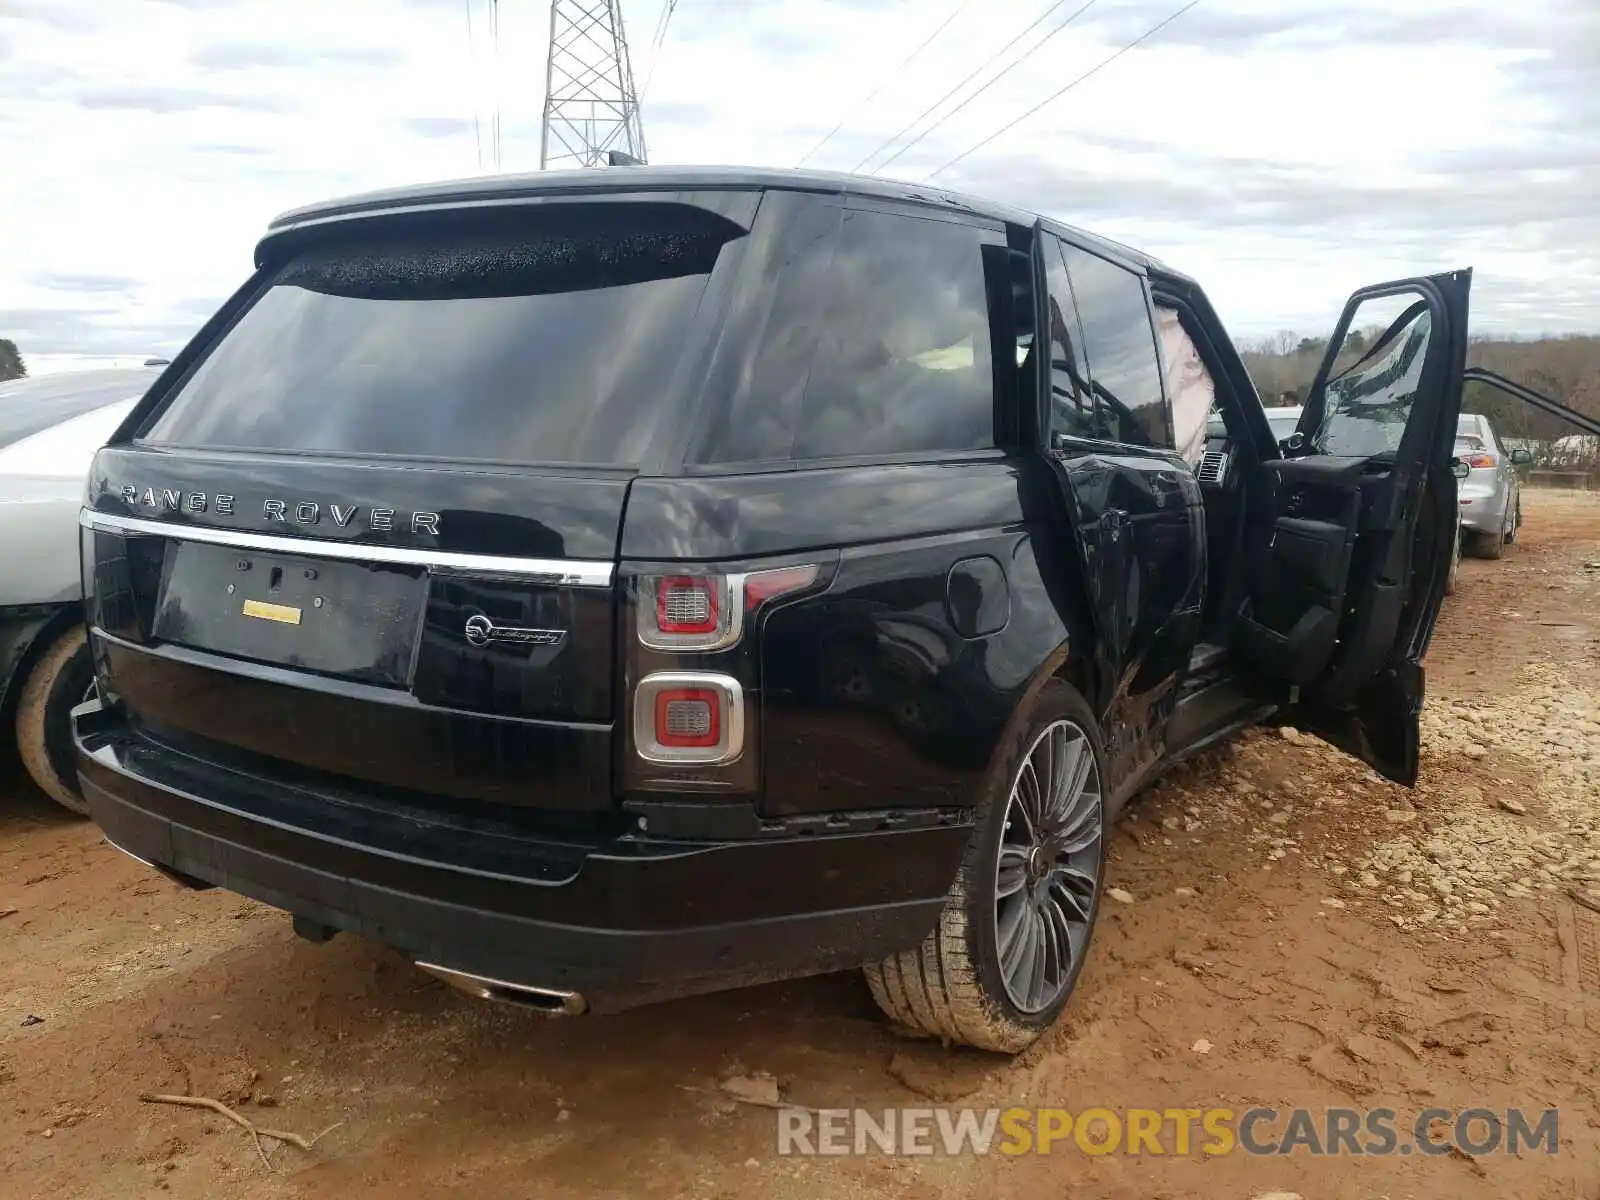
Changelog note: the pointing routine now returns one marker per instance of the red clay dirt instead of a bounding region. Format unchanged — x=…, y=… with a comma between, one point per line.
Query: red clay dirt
x=1339, y=942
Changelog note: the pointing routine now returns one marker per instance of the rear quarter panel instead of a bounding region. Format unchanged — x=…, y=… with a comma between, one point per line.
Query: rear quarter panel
x=953, y=596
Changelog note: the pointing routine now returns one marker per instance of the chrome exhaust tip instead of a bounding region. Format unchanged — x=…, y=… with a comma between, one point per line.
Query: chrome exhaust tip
x=552, y=1002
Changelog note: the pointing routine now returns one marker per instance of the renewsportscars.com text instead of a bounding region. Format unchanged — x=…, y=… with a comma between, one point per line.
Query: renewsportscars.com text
x=1166, y=1131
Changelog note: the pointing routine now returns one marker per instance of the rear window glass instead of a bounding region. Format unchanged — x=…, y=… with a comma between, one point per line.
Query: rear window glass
x=903, y=362
x=555, y=341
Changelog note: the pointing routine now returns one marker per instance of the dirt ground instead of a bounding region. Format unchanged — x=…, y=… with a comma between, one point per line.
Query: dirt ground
x=1299, y=934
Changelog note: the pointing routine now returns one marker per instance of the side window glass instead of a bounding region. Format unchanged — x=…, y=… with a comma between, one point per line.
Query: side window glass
x=1367, y=404
x=1071, y=399
x=753, y=390
x=903, y=363
x=1121, y=346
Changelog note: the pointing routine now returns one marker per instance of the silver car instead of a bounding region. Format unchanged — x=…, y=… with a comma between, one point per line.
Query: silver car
x=1490, y=494
x=50, y=428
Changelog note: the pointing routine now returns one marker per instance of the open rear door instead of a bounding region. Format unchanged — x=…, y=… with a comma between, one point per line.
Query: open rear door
x=1350, y=535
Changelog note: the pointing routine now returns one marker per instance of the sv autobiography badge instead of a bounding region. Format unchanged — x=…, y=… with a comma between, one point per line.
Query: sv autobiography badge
x=480, y=631
x=287, y=512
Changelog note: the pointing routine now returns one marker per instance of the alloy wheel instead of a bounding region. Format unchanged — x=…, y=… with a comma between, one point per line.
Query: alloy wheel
x=1049, y=867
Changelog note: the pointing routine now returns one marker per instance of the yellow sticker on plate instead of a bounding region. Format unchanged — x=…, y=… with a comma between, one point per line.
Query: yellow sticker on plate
x=281, y=613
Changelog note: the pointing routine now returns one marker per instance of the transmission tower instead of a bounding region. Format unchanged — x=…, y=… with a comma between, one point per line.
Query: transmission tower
x=591, y=107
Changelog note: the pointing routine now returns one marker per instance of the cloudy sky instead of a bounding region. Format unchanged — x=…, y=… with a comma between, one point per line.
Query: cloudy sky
x=1283, y=151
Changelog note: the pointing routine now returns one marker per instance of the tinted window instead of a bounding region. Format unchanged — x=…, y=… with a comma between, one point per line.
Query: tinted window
x=1121, y=347
x=553, y=341
x=1071, y=399
x=753, y=389
x=902, y=363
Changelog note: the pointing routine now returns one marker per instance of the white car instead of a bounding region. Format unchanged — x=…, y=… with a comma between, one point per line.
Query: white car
x=50, y=428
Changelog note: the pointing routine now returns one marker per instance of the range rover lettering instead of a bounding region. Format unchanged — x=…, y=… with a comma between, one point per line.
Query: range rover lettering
x=613, y=585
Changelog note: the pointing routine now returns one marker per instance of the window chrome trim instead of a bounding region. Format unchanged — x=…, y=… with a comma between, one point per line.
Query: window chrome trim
x=571, y=572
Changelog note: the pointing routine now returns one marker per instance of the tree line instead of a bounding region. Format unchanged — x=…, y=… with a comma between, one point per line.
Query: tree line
x=11, y=364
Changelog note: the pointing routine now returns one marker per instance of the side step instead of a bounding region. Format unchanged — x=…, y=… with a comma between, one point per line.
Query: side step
x=1211, y=708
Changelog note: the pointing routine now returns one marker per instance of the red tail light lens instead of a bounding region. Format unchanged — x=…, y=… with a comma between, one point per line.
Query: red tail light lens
x=688, y=612
x=707, y=612
x=688, y=718
x=687, y=605
x=1480, y=460
x=761, y=586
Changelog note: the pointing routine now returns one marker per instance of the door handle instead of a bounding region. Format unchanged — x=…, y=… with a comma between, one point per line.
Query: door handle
x=1112, y=523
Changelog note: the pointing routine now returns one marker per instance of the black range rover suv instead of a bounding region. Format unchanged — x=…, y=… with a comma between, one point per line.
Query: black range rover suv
x=608, y=586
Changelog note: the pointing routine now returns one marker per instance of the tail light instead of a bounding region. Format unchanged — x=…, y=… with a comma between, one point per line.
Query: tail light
x=1480, y=460
x=688, y=612
x=707, y=612
x=687, y=606
x=689, y=717
x=697, y=717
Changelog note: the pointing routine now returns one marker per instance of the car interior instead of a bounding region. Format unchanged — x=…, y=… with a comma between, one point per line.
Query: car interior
x=1294, y=514
x=1295, y=536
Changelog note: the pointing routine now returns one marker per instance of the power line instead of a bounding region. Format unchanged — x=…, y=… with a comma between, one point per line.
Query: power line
x=494, y=31
x=656, y=42
x=1056, y=95
x=983, y=66
x=904, y=63
x=1018, y=61
x=477, y=128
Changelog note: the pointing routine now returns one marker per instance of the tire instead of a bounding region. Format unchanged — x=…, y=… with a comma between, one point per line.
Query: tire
x=58, y=683
x=1516, y=523
x=1488, y=545
x=956, y=985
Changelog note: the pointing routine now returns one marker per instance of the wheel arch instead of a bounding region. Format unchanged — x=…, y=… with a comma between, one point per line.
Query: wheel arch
x=25, y=635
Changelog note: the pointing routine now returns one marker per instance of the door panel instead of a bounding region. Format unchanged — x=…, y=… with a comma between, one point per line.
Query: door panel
x=1137, y=513
x=1350, y=536
x=1299, y=545
x=1136, y=516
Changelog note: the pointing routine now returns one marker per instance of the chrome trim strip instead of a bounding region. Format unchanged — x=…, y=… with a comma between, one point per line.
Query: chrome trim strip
x=485, y=987
x=573, y=572
x=144, y=862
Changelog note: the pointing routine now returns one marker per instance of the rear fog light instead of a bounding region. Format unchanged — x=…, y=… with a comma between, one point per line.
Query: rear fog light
x=688, y=718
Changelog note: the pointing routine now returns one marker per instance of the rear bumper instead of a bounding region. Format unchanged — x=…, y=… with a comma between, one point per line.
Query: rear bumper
x=622, y=922
x=1482, y=512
